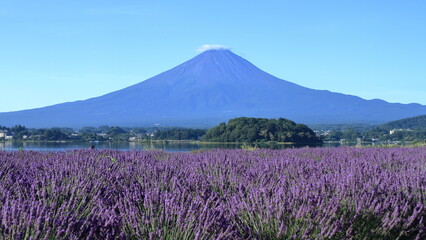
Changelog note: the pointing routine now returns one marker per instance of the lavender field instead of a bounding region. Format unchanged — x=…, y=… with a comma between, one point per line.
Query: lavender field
x=321, y=193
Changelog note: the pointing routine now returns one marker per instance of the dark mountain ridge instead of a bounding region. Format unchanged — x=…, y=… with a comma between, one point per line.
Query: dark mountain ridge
x=213, y=87
x=413, y=123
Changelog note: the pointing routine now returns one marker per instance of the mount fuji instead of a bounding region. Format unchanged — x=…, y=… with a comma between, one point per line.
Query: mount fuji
x=210, y=88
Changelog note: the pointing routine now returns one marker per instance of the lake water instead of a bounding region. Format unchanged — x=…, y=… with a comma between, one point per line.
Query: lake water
x=170, y=146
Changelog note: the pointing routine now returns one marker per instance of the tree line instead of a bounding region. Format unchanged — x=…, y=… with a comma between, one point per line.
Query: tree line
x=236, y=130
x=374, y=134
x=102, y=133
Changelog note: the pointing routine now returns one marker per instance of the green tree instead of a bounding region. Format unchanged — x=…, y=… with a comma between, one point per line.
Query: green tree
x=260, y=129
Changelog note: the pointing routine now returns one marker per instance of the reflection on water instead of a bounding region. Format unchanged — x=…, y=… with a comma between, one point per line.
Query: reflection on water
x=170, y=146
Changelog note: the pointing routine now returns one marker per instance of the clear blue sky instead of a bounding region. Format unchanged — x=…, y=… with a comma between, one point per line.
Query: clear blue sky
x=58, y=51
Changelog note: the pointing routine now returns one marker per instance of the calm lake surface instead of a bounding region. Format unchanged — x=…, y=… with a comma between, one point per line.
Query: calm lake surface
x=170, y=146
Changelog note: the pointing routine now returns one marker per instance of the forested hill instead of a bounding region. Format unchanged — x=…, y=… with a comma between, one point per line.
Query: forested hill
x=414, y=123
x=245, y=129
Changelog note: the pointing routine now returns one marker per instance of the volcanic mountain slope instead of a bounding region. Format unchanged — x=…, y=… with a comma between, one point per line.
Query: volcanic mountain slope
x=212, y=87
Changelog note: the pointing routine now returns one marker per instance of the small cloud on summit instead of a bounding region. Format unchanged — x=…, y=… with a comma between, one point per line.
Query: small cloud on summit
x=207, y=47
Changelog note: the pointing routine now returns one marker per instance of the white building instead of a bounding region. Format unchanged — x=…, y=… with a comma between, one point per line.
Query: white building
x=3, y=134
x=399, y=130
